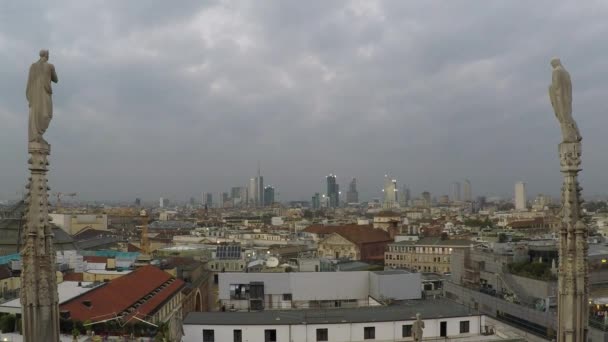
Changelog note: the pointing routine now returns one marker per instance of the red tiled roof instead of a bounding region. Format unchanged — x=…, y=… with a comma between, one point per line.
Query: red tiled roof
x=132, y=248
x=73, y=277
x=357, y=234
x=121, y=293
x=95, y=259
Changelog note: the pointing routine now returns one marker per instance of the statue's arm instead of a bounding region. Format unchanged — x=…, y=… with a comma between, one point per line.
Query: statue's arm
x=53, y=74
x=29, y=84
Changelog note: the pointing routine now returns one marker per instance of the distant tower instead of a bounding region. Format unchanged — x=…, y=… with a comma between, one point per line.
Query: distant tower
x=316, y=201
x=426, y=196
x=260, y=187
x=268, y=196
x=208, y=199
x=467, y=195
x=389, y=192
x=333, y=191
x=252, y=191
x=456, y=192
x=520, y=196
x=161, y=202
x=352, y=195
x=403, y=196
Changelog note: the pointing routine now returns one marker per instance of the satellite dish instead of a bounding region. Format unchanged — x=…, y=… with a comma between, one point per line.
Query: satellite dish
x=272, y=262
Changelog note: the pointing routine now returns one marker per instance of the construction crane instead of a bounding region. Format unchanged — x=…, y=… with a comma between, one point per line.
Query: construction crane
x=60, y=195
x=145, y=243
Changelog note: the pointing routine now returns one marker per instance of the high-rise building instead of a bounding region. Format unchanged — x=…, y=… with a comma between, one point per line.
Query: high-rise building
x=389, y=192
x=456, y=192
x=403, y=196
x=520, y=196
x=208, y=199
x=138, y=202
x=333, y=192
x=467, y=195
x=352, y=195
x=426, y=197
x=252, y=192
x=161, y=202
x=316, y=201
x=238, y=195
x=268, y=195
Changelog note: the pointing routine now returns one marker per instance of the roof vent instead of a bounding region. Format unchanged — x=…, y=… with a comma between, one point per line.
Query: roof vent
x=87, y=303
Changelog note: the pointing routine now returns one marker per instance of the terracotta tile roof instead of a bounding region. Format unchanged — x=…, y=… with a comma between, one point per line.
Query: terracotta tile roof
x=73, y=277
x=388, y=213
x=357, y=234
x=132, y=248
x=95, y=259
x=121, y=293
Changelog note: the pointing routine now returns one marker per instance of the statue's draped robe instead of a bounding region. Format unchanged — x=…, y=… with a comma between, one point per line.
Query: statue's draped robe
x=560, y=93
x=417, y=330
x=39, y=95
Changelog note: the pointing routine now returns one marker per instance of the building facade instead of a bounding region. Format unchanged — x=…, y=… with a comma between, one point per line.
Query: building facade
x=431, y=254
x=442, y=319
x=520, y=196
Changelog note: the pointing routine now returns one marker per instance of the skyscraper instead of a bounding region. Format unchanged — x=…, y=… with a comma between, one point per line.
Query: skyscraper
x=390, y=192
x=238, y=195
x=252, y=193
x=268, y=195
x=426, y=196
x=403, y=196
x=467, y=195
x=161, y=202
x=456, y=192
x=316, y=201
x=520, y=196
x=352, y=195
x=332, y=191
x=208, y=199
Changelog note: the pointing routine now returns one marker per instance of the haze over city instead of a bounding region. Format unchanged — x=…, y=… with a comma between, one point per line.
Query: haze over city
x=159, y=100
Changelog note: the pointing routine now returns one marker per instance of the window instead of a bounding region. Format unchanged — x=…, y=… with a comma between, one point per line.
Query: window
x=270, y=335
x=322, y=335
x=464, y=327
x=237, y=335
x=406, y=330
x=369, y=333
x=286, y=296
x=208, y=335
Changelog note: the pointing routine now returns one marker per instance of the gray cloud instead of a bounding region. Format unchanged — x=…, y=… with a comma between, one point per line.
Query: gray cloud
x=156, y=99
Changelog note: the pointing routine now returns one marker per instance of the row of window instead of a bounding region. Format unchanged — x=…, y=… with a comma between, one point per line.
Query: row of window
x=428, y=250
x=416, y=258
x=369, y=333
x=418, y=267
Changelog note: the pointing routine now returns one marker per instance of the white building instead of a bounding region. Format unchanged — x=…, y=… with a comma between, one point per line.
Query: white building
x=467, y=194
x=442, y=319
x=300, y=290
x=390, y=192
x=520, y=196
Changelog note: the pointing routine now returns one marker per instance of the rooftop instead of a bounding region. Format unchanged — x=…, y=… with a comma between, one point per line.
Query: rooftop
x=145, y=288
x=429, y=308
x=67, y=290
x=434, y=241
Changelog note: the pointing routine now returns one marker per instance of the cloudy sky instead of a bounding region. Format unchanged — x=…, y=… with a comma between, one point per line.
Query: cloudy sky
x=162, y=98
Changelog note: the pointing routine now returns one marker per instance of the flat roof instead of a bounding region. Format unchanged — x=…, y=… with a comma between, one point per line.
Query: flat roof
x=66, y=290
x=406, y=310
x=391, y=272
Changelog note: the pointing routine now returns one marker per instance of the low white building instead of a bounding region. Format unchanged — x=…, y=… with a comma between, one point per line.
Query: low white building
x=301, y=290
x=442, y=319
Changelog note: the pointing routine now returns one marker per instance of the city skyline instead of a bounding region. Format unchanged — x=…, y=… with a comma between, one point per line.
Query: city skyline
x=186, y=104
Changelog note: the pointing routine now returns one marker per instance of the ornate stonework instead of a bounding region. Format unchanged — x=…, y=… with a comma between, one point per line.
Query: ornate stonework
x=39, y=297
x=573, y=292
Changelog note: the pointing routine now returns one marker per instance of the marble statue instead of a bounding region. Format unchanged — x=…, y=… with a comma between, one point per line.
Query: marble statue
x=417, y=328
x=560, y=93
x=39, y=96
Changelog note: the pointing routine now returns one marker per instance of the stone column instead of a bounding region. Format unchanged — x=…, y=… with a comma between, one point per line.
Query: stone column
x=39, y=298
x=573, y=293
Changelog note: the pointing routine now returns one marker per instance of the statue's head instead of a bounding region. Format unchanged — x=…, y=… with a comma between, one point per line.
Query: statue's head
x=418, y=316
x=555, y=62
x=44, y=54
